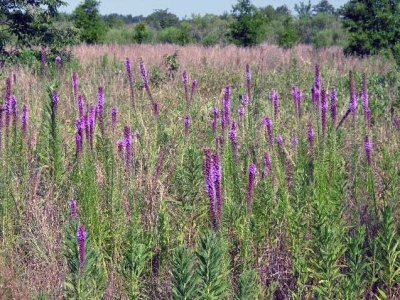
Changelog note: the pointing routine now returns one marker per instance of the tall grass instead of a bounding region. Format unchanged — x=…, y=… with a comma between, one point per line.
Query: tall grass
x=262, y=198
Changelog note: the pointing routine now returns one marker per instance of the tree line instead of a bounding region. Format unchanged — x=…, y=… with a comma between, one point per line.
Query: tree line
x=362, y=27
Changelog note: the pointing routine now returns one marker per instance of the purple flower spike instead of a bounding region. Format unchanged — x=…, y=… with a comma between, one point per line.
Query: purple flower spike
x=217, y=176
x=14, y=110
x=91, y=124
x=324, y=109
x=297, y=98
x=353, y=98
x=396, y=122
x=250, y=187
x=209, y=186
x=275, y=102
x=114, y=112
x=186, y=122
x=74, y=83
x=78, y=144
x=8, y=89
x=214, y=120
x=81, y=238
x=310, y=134
x=245, y=100
x=58, y=61
x=128, y=146
x=145, y=80
x=241, y=111
x=268, y=125
x=100, y=108
x=279, y=140
x=73, y=209
x=55, y=100
x=120, y=146
x=155, y=109
x=367, y=111
x=24, y=121
x=193, y=90
x=1, y=126
x=185, y=80
x=227, y=108
x=267, y=163
x=333, y=105
x=81, y=104
x=129, y=73
x=232, y=137
x=248, y=80
x=368, y=150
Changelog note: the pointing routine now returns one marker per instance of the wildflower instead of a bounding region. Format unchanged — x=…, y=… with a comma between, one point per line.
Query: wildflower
x=310, y=134
x=275, y=101
x=128, y=145
x=333, y=105
x=155, y=109
x=209, y=185
x=81, y=238
x=227, y=107
x=248, y=80
x=268, y=125
x=241, y=111
x=74, y=83
x=185, y=80
x=214, y=120
x=55, y=100
x=24, y=120
x=279, y=140
x=194, y=87
x=250, y=186
x=232, y=137
x=114, y=112
x=324, y=109
x=80, y=105
x=368, y=150
x=129, y=73
x=58, y=60
x=367, y=111
x=267, y=163
x=216, y=170
x=245, y=100
x=100, y=107
x=73, y=209
x=120, y=146
x=186, y=121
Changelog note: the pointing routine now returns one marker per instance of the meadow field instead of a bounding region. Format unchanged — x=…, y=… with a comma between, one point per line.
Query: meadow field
x=215, y=173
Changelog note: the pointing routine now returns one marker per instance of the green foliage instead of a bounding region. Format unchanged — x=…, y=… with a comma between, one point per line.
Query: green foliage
x=249, y=285
x=245, y=30
x=212, y=267
x=184, y=276
x=288, y=37
x=175, y=35
x=28, y=24
x=87, y=282
x=88, y=20
x=141, y=33
x=162, y=19
x=372, y=25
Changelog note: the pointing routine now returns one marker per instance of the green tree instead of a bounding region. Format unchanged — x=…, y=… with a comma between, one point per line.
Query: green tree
x=303, y=9
x=373, y=25
x=141, y=33
x=161, y=19
x=25, y=24
x=246, y=29
x=87, y=18
x=288, y=37
x=324, y=7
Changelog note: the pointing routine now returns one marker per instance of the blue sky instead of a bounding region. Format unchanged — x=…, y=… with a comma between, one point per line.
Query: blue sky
x=181, y=8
